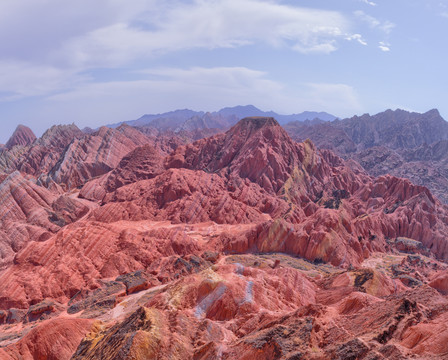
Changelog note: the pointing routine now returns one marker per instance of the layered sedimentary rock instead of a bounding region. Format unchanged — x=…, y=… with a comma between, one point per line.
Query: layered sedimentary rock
x=95, y=155
x=53, y=340
x=31, y=213
x=242, y=245
x=398, y=143
x=22, y=136
x=41, y=155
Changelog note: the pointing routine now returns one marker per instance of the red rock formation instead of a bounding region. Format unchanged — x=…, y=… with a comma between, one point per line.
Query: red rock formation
x=79, y=255
x=183, y=255
x=256, y=148
x=188, y=196
x=32, y=213
x=95, y=155
x=397, y=142
x=144, y=162
x=22, y=136
x=314, y=192
x=52, y=340
x=40, y=156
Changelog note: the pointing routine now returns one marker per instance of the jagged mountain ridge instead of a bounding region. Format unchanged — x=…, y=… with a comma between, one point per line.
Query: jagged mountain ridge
x=399, y=143
x=223, y=119
x=23, y=135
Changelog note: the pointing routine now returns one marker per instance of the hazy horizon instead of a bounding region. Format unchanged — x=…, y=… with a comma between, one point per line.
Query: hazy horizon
x=105, y=62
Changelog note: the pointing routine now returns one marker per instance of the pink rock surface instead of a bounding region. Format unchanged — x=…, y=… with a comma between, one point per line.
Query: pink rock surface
x=95, y=155
x=185, y=255
x=53, y=340
x=22, y=136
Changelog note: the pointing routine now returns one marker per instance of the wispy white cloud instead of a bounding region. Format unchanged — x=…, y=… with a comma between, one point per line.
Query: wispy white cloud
x=163, y=89
x=371, y=3
x=34, y=30
x=358, y=38
x=209, y=24
x=384, y=46
x=385, y=26
x=342, y=99
x=50, y=55
x=21, y=79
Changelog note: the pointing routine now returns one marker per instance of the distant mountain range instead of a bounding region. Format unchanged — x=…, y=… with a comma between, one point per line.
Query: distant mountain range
x=192, y=120
x=400, y=143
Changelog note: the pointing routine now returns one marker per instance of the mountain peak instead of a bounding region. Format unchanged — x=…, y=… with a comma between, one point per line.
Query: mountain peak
x=258, y=122
x=23, y=136
x=433, y=112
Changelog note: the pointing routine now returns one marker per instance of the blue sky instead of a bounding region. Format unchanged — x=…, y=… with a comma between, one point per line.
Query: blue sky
x=103, y=61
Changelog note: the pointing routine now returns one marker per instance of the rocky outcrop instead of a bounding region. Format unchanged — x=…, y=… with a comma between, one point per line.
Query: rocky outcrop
x=186, y=196
x=40, y=156
x=22, y=136
x=53, y=340
x=145, y=162
x=137, y=338
x=95, y=154
x=398, y=143
x=256, y=148
x=32, y=213
x=228, y=179
x=54, y=270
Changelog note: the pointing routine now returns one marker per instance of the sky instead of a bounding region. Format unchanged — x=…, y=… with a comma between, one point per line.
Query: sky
x=100, y=62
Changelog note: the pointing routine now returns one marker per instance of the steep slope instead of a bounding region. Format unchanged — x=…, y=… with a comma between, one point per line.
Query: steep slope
x=22, y=136
x=95, y=155
x=40, y=156
x=144, y=162
x=255, y=172
x=397, y=129
x=256, y=148
x=54, y=340
x=399, y=143
x=32, y=213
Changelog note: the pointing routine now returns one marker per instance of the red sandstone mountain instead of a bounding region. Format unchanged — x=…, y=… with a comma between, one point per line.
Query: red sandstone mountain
x=22, y=136
x=239, y=246
x=32, y=213
x=40, y=156
x=398, y=143
x=95, y=155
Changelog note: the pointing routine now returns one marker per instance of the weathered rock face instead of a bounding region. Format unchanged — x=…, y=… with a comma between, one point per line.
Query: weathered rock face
x=145, y=162
x=324, y=134
x=129, y=247
x=226, y=312
x=256, y=148
x=398, y=143
x=53, y=340
x=95, y=155
x=22, y=136
x=187, y=196
x=229, y=181
x=40, y=156
x=32, y=213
